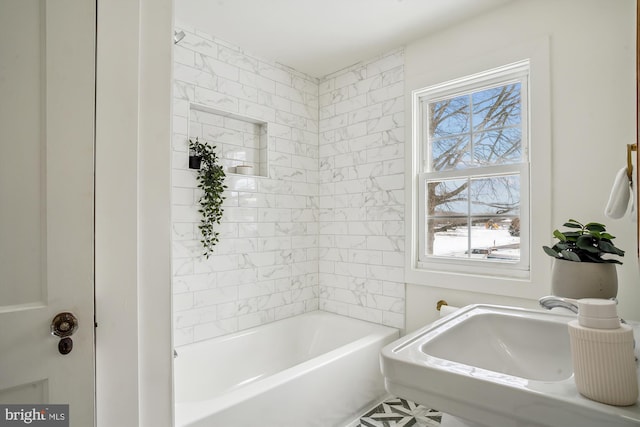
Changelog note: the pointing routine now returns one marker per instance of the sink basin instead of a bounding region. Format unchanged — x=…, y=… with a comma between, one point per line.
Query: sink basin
x=498, y=366
x=532, y=347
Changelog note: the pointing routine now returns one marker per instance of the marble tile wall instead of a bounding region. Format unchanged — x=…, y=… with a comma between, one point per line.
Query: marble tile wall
x=325, y=228
x=265, y=266
x=361, y=220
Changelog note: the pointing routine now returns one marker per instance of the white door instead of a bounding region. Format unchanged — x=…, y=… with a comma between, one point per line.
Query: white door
x=47, y=80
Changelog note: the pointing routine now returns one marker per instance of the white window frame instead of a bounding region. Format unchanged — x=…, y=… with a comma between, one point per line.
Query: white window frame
x=509, y=74
x=537, y=51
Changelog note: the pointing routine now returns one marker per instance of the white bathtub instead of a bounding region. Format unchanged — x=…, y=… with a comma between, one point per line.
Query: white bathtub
x=316, y=369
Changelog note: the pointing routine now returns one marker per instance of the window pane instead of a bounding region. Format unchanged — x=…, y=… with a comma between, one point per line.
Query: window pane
x=499, y=195
x=498, y=147
x=496, y=135
x=447, y=198
x=451, y=153
x=497, y=107
x=495, y=239
x=489, y=239
x=449, y=117
x=447, y=237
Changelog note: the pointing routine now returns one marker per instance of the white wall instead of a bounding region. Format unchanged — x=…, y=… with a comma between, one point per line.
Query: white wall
x=116, y=211
x=592, y=60
x=132, y=246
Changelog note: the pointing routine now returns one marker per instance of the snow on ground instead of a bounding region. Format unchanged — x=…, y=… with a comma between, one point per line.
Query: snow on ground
x=455, y=243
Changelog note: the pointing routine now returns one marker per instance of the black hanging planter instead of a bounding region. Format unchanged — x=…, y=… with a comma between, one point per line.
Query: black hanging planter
x=210, y=179
x=194, y=162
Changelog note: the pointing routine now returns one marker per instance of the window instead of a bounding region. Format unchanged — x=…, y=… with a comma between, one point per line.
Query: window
x=471, y=136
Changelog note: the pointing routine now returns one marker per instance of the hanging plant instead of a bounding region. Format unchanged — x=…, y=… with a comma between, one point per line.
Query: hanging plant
x=211, y=181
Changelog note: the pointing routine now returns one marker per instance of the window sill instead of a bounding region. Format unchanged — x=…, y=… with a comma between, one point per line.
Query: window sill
x=493, y=284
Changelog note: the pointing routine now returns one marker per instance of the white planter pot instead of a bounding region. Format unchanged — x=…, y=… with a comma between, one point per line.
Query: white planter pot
x=577, y=280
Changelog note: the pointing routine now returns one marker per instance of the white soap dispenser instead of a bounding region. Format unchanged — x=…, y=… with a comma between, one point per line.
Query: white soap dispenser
x=602, y=351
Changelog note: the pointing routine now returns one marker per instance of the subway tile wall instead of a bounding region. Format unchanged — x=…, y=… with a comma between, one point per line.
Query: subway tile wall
x=265, y=266
x=362, y=235
x=325, y=228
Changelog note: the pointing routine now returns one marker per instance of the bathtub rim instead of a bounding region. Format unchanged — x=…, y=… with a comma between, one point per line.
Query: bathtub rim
x=274, y=324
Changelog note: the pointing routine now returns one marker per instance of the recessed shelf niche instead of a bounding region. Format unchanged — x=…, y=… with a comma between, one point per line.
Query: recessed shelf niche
x=239, y=140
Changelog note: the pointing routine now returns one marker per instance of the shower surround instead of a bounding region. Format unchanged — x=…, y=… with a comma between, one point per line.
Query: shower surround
x=325, y=228
x=361, y=189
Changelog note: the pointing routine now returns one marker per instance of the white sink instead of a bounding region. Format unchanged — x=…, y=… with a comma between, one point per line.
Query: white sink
x=498, y=366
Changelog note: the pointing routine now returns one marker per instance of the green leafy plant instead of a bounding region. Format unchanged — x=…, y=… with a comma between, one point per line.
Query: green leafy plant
x=584, y=243
x=211, y=181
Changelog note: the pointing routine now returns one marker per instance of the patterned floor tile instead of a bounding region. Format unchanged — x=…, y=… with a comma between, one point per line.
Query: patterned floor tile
x=396, y=412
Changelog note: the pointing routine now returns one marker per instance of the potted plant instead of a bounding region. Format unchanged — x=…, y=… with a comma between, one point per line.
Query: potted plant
x=579, y=269
x=211, y=178
x=195, y=154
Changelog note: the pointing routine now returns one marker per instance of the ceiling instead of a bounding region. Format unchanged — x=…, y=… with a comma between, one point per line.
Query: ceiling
x=319, y=37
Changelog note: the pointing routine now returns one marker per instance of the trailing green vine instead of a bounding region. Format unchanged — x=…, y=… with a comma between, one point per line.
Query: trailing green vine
x=211, y=181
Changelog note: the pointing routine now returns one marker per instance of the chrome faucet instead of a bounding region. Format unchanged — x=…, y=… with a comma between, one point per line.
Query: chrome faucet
x=552, y=301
